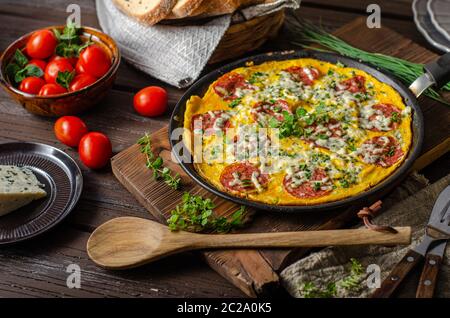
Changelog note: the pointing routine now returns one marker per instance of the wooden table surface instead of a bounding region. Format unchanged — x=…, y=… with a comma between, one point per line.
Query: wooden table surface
x=38, y=268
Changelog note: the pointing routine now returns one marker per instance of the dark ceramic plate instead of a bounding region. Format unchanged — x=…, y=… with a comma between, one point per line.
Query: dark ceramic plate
x=439, y=11
x=63, y=183
x=427, y=28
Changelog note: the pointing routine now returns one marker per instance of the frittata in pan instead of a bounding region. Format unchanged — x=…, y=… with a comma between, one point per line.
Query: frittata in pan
x=297, y=132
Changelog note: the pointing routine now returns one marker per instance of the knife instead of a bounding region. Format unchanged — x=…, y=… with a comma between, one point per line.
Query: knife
x=437, y=231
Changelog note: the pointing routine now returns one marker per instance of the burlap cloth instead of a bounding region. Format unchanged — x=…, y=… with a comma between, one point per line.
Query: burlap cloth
x=409, y=205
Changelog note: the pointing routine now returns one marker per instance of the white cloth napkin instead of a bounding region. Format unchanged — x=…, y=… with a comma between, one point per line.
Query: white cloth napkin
x=173, y=54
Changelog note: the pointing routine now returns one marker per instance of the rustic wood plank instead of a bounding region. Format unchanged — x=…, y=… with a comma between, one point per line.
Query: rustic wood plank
x=38, y=269
x=104, y=198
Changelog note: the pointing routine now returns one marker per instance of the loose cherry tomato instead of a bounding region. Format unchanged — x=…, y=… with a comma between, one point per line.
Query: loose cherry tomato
x=95, y=150
x=39, y=63
x=72, y=60
x=41, y=44
x=151, y=101
x=81, y=81
x=69, y=130
x=56, y=66
x=94, y=61
x=52, y=89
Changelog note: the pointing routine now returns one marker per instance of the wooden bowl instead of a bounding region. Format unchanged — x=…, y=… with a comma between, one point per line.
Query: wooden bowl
x=247, y=36
x=70, y=103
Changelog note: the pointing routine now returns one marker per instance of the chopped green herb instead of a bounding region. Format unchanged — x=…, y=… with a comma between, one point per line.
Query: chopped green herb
x=255, y=77
x=301, y=112
x=391, y=151
x=235, y=102
x=395, y=117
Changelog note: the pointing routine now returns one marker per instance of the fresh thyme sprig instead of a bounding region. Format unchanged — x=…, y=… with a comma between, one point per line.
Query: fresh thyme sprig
x=406, y=71
x=195, y=214
x=156, y=164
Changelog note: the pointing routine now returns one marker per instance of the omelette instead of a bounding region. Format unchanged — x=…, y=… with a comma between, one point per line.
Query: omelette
x=297, y=132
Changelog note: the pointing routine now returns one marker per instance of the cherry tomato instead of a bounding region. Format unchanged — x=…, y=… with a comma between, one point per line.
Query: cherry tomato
x=72, y=60
x=81, y=81
x=151, y=101
x=31, y=85
x=79, y=68
x=56, y=66
x=95, y=150
x=69, y=130
x=52, y=89
x=41, y=44
x=39, y=63
x=94, y=61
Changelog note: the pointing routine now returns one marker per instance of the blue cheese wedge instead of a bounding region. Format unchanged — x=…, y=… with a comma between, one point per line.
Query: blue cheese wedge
x=18, y=187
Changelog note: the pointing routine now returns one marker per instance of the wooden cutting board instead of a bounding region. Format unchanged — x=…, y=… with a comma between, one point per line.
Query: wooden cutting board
x=255, y=271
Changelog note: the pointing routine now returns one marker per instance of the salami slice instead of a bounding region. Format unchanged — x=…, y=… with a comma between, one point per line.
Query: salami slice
x=243, y=178
x=306, y=75
x=211, y=122
x=305, y=185
x=262, y=112
x=353, y=85
x=383, y=117
x=383, y=151
x=227, y=85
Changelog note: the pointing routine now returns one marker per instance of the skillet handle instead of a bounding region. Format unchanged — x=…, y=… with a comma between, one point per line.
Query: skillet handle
x=439, y=70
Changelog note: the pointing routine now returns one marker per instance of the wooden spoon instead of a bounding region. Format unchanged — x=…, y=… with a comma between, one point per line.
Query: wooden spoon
x=128, y=242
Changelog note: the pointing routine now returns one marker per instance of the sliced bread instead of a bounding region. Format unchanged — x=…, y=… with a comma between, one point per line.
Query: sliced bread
x=184, y=8
x=146, y=11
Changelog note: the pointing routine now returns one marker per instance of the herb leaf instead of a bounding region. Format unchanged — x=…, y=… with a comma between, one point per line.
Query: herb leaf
x=156, y=164
x=65, y=78
x=70, y=44
x=29, y=70
x=20, y=58
x=18, y=69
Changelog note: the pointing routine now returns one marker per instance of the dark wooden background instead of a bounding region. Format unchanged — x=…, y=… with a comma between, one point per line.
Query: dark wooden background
x=38, y=268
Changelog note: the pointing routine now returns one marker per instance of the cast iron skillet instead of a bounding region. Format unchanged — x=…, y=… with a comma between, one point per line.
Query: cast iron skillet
x=362, y=199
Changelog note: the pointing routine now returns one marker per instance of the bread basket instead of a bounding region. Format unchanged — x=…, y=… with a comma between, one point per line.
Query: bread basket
x=246, y=36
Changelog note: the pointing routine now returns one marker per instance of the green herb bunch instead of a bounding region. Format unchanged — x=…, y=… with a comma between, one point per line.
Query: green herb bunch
x=156, y=164
x=406, y=71
x=195, y=214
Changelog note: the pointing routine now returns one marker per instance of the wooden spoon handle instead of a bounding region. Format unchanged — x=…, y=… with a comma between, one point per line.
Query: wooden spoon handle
x=305, y=239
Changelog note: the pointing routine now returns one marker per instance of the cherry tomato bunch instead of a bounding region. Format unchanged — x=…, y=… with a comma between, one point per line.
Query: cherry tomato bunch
x=94, y=148
x=53, y=63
